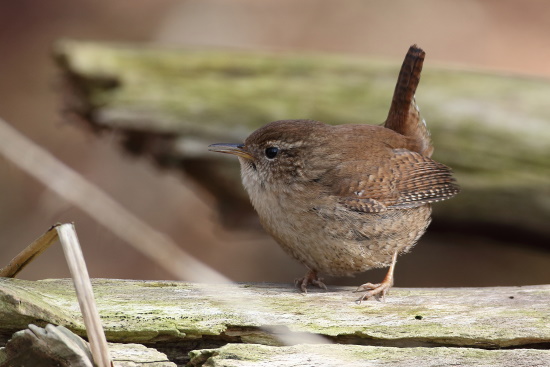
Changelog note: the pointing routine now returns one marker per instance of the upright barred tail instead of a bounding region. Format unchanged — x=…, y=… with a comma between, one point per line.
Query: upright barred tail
x=404, y=115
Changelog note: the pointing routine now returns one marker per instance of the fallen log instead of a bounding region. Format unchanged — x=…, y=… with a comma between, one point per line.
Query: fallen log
x=465, y=324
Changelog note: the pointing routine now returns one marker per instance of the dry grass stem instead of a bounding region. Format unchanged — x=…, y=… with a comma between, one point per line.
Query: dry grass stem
x=30, y=252
x=75, y=189
x=85, y=294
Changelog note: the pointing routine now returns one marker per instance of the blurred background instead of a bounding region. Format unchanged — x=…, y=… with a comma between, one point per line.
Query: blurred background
x=504, y=36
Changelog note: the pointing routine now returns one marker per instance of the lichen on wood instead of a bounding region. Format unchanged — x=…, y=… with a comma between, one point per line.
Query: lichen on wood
x=165, y=314
x=147, y=311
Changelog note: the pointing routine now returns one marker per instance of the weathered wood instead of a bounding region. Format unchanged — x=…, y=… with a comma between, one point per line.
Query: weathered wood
x=148, y=311
x=57, y=346
x=170, y=104
x=44, y=347
x=198, y=316
x=238, y=355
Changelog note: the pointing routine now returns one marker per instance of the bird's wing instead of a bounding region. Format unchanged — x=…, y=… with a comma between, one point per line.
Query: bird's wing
x=405, y=180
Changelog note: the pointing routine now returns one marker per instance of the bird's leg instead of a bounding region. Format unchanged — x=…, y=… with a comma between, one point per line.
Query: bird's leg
x=312, y=278
x=379, y=290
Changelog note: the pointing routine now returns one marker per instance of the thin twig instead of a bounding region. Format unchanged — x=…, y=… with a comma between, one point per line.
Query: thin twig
x=30, y=252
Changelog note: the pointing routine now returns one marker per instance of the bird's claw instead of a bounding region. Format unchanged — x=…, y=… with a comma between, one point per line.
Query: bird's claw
x=378, y=291
x=310, y=278
x=381, y=289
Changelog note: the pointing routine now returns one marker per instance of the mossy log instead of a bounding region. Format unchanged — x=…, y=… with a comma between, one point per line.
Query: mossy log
x=493, y=130
x=251, y=322
x=235, y=355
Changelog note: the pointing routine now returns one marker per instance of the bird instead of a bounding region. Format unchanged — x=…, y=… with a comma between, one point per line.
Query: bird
x=342, y=199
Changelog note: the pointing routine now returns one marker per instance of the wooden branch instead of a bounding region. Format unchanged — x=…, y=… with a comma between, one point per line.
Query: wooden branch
x=171, y=104
x=197, y=316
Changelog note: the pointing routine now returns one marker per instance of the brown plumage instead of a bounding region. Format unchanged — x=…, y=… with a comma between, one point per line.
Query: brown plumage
x=344, y=199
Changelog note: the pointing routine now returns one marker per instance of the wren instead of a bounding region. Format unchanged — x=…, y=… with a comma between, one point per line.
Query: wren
x=344, y=199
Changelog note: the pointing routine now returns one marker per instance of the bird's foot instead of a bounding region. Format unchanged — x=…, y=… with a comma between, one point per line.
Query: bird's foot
x=381, y=289
x=377, y=290
x=312, y=278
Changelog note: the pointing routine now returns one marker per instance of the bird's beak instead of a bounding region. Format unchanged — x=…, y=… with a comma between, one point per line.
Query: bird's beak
x=235, y=149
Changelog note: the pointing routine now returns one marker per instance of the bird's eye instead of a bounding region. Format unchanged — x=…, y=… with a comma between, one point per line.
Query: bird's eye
x=271, y=152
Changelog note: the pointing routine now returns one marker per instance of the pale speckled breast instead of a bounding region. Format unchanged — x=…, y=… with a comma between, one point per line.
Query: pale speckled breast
x=328, y=237
x=341, y=242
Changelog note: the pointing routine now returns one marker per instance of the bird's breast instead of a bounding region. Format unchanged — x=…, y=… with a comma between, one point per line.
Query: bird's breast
x=315, y=229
